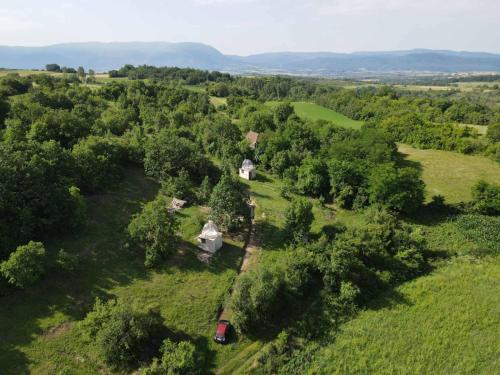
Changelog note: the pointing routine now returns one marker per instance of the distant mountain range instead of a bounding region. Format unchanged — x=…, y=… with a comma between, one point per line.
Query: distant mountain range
x=107, y=56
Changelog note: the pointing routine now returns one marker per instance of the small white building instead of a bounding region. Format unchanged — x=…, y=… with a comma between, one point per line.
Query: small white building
x=210, y=239
x=247, y=170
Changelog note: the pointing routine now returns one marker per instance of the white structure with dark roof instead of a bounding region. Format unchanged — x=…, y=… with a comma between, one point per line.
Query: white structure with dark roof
x=247, y=170
x=210, y=239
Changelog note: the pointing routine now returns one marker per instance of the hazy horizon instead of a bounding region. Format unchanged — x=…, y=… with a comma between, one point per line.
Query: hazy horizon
x=244, y=27
x=244, y=55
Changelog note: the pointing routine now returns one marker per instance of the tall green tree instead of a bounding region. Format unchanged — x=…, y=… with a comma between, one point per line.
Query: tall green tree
x=401, y=189
x=155, y=229
x=228, y=202
x=298, y=219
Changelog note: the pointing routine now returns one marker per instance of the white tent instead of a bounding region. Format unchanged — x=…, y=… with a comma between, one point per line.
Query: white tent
x=210, y=238
x=247, y=170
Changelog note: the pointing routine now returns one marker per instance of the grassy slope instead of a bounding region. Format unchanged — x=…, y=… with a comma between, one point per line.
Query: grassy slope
x=314, y=112
x=37, y=326
x=451, y=174
x=444, y=323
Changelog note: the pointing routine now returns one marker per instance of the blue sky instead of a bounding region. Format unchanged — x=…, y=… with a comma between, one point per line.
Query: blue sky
x=251, y=26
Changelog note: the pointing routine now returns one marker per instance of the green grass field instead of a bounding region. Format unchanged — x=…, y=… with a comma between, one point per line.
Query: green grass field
x=444, y=323
x=451, y=174
x=315, y=112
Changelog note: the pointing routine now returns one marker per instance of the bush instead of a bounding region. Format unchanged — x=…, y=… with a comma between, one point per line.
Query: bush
x=401, y=190
x=67, y=261
x=176, y=359
x=256, y=299
x=298, y=219
x=98, y=162
x=25, y=265
x=124, y=334
x=156, y=230
x=486, y=198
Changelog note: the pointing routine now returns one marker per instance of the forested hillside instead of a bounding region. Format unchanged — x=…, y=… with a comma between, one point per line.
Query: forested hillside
x=99, y=274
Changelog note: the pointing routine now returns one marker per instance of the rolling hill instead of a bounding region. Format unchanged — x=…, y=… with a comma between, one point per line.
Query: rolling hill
x=106, y=56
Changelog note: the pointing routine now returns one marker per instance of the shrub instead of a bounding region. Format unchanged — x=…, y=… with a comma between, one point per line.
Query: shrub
x=401, y=190
x=124, y=334
x=256, y=299
x=176, y=359
x=67, y=261
x=25, y=265
x=486, y=198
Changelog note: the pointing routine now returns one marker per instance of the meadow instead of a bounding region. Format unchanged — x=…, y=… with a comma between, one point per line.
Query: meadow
x=315, y=112
x=451, y=174
x=443, y=323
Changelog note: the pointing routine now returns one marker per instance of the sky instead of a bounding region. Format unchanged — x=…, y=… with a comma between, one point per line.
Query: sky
x=245, y=27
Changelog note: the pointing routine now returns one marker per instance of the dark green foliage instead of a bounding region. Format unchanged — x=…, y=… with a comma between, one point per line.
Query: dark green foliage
x=67, y=261
x=155, y=229
x=494, y=132
x=282, y=112
x=381, y=251
x=204, y=192
x=116, y=120
x=123, y=333
x=313, y=178
x=256, y=300
x=4, y=109
x=168, y=154
x=228, y=203
x=401, y=190
x=179, y=187
x=98, y=162
x=176, y=359
x=486, y=198
x=62, y=126
x=35, y=196
x=346, y=181
x=258, y=121
x=14, y=84
x=25, y=265
x=52, y=68
x=298, y=219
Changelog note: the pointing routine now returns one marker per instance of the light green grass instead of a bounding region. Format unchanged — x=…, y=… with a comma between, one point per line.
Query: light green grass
x=218, y=101
x=315, y=112
x=451, y=174
x=444, y=323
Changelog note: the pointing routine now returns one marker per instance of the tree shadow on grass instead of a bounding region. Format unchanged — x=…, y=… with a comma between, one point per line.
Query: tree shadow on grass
x=262, y=178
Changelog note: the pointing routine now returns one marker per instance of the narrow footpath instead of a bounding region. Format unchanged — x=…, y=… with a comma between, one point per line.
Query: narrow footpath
x=251, y=250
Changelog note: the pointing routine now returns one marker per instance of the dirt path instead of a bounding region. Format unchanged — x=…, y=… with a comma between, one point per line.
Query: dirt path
x=251, y=249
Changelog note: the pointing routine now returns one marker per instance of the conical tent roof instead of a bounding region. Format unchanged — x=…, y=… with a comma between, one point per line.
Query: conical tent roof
x=247, y=164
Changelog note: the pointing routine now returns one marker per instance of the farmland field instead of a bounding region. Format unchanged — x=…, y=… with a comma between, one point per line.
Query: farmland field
x=451, y=174
x=315, y=112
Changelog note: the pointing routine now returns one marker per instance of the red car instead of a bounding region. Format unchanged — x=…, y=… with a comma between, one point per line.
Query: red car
x=222, y=332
